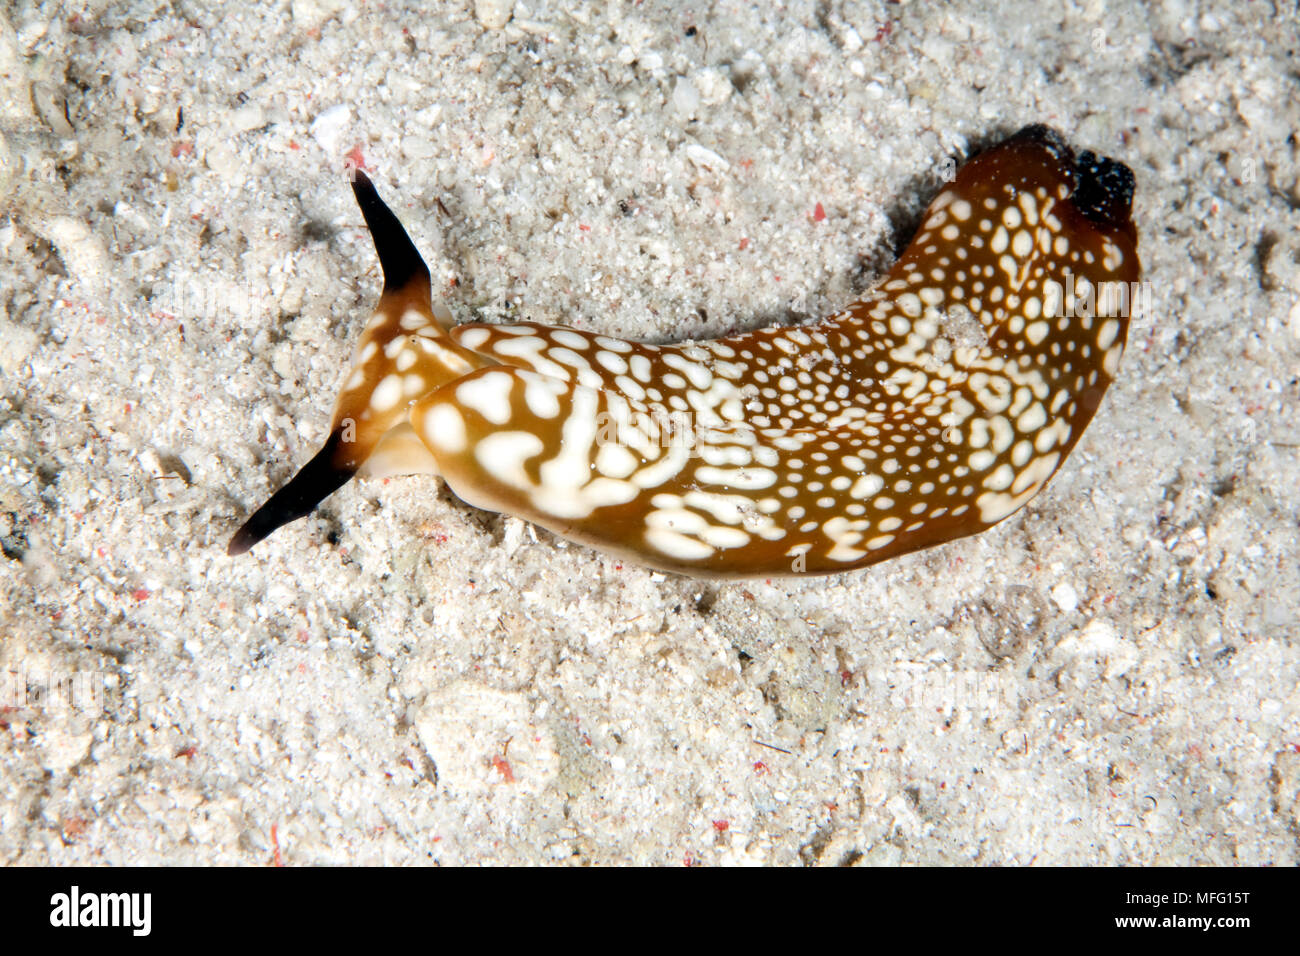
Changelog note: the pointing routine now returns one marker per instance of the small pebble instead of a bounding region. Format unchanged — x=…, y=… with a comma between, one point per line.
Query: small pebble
x=493, y=14
x=328, y=128
x=1066, y=597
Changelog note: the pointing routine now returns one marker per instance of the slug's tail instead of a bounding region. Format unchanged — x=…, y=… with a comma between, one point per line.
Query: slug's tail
x=404, y=353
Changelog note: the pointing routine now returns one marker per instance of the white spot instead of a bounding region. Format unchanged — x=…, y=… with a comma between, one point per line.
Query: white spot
x=542, y=395
x=677, y=545
x=1030, y=208
x=615, y=461
x=866, y=486
x=529, y=349
x=605, y=492
x=386, y=394
x=846, y=534
x=1107, y=333
x=502, y=455
x=640, y=366
x=1000, y=241
x=489, y=395
x=659, y=473
x=1110, y=361
x=1003, y=435
x=1023, y=451
x=1034, y=418
x=614, y=345
x=1056, y=433
x=612, y=362
x=996, y=505
x=569, y=338
x=444, y=428
x=910, y=304
x=699, y=375
x=412, y=320
x=1113, y=257
x=1001, y=478
x=724, y=537
x=572, y=466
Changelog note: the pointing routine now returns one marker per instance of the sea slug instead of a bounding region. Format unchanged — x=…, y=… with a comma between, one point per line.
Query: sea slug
x=935, y=406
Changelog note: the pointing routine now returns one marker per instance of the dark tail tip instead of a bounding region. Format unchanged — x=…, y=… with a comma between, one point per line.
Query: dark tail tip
x=1041, y=134
x=1103, y=187
x=317, y=480
x=1104, y=190
x=398, y=256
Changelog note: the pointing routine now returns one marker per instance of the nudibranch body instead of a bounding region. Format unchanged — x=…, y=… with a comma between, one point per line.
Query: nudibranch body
x=932, y=408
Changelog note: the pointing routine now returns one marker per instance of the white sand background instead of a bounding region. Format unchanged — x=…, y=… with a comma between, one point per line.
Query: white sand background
x=1108, y=677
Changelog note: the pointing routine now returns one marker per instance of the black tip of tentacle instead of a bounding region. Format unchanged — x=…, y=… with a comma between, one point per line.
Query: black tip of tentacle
x=317, y=480
x=398, y=256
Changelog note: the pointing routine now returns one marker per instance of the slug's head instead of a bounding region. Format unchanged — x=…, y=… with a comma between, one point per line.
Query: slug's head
x=1037, y=241
x=1090, y=196
x=1100, y=188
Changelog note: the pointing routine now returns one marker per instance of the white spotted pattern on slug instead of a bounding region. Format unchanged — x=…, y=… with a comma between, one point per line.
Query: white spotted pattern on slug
x=932, y=408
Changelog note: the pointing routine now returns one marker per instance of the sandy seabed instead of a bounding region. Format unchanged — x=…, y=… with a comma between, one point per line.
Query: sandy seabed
x=1108, y=677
